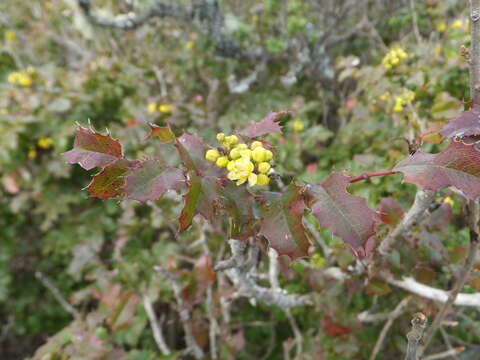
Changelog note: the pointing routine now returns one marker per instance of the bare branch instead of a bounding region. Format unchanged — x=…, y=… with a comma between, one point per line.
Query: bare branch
x=183, y=311
x=446, y=354
x=155, y=325
x=57, y=294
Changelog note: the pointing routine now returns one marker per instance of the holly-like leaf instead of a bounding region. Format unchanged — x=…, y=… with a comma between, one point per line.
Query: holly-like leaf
x=192, y=153
x=238, y=203
x=466, y=124
x=458, y=165
x=391, y=212
x=282, y=223
x=149, y=180
x=108, y=183
x=163, y=133
x=345, y=215
x=269, y=125
x=91, y=149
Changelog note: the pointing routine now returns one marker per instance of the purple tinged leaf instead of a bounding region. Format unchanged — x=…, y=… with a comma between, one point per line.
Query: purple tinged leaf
x=108, y=183
x=390, y=212
x=268, y=125
x=91, y=149
x=163, y=133
x=149, y=181
x=458, y=165
x=192, y=153
x=345, y=215
x=282, y=223
x=466, y=124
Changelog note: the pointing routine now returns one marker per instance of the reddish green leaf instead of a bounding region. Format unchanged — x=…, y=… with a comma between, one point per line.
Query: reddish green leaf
x=458, y=165
x=466, y=124
x=378, y=287
x=345, y=215
x=108, y=183
x=203, y=198
x=269, y=125
x=333, y=328
x=391, y=212
x=149, y=181
x=282, y=223
x=91, y=149
x=238, y=203
x=192, y=153
x=163, y=133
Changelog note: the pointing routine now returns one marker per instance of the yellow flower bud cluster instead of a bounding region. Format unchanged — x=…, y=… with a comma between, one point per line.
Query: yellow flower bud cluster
x=45, y=143
x=22, y=78
x=393, y=58
x=400, y=101
x=457, y=24
x=161, y=108
x=244, y=163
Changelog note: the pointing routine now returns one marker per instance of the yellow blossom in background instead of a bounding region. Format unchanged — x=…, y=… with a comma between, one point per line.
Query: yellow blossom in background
x=394, y=57
x=45, y=143
x=19, y=78
x=298, y=126
x=10, y=36
x=385, y=96
x=189, y=45
x=457, y=24
x=317, y=261
x=405, y=98
x=4, y=111
x=165, y=108
x=30, y=70
x=32, y=154
x=152, y=107
x=441, y=27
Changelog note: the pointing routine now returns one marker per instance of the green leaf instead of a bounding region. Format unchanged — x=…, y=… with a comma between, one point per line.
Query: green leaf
x=108, y=183
x=163, y=133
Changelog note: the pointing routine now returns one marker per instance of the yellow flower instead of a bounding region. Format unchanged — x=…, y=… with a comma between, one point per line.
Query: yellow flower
x=298, y=126
x=448, y=200
x=259, y=154
x=231, y=165
x=231, y=140
x=317, y=261
x=398, y=108
x=457, y=24
x=212, y=155
x=24, y=80
x=45, y=142
x=4, y=111
x=268, y=155
x=255, y=144
x=10, y=36
x=165, y=108
x=242, y=147
x=222, y=161
x=262, y=180
x=241, y=171
x=152, y=107
x=220, y=137
x=441, y=27
x=189, y=45
x=385, y=96
x=235, y=153
x=13, y=77
x=32, y=154
x=247, y=153
x=264, y=167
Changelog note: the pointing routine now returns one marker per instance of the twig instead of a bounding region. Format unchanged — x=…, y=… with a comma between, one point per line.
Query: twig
x=445, y=354
x=238, y=269
x=423, y=199
x=155, y=325
x=413, y=12
x=462, y=277
x=183, y=311
x=57, y=294
x=368, y=175
x=391, y=318
x=475, y=51
x=419, y=323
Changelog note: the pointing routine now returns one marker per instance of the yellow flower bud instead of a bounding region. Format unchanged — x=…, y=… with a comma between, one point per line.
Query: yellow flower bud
x=230, y=165
x=44, y=142
x=256, y=144
x=262, y=180
x=24, y=80
x=233, y=140
x=264, y=167
x=212, y=155
x=395, y=60
x=165, y=108
x=448, y=200
x=242, y=147
x=30, y=70
x=32, y=154
x=298, y=126
x=152, y=107
x=398, y=108
x=13, y=78
x=258, y=154
x=247, y=153
x=222, y=161
x=220, y=137
x=235, y=153
x=268, y=155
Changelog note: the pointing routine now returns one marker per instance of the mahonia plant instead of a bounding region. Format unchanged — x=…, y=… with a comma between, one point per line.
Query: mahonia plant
x=232, y=182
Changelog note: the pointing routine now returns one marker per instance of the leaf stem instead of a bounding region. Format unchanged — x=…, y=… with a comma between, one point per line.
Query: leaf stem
x=368, y=175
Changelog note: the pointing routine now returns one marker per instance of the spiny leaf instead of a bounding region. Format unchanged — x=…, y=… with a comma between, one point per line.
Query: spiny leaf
x=108, y=183
x=345, y=215
x=269, y=125
x=149, y=180
x=458, y=165
x=192, y=153
x=163, y=133
x=238, y=203
x=202, y=197
x=466, y=124
x=282, y=223
x=91, y=149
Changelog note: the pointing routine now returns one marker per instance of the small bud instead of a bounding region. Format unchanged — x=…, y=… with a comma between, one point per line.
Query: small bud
x=264, y=167
x=165, y=108
x=298, y=126
x=268, y=155
x=246, y=153
x=222, y=161
x=152, y=107
x=233, y=140
x=259, y=154
x=230, y=165
x=235, y=153
x=220, y=137
x=256, y=144
x=242, y=146
x=212, y=155
x=252, y=179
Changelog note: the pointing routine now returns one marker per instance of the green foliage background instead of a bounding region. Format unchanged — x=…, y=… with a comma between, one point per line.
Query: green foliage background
x=98, y=251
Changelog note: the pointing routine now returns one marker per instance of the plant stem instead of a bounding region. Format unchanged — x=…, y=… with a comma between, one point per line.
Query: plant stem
x=368, y=175
x=475, y=51
x=419, y=322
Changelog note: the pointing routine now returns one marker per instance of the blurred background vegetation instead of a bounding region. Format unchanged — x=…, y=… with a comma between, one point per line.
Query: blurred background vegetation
x=358, y=75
